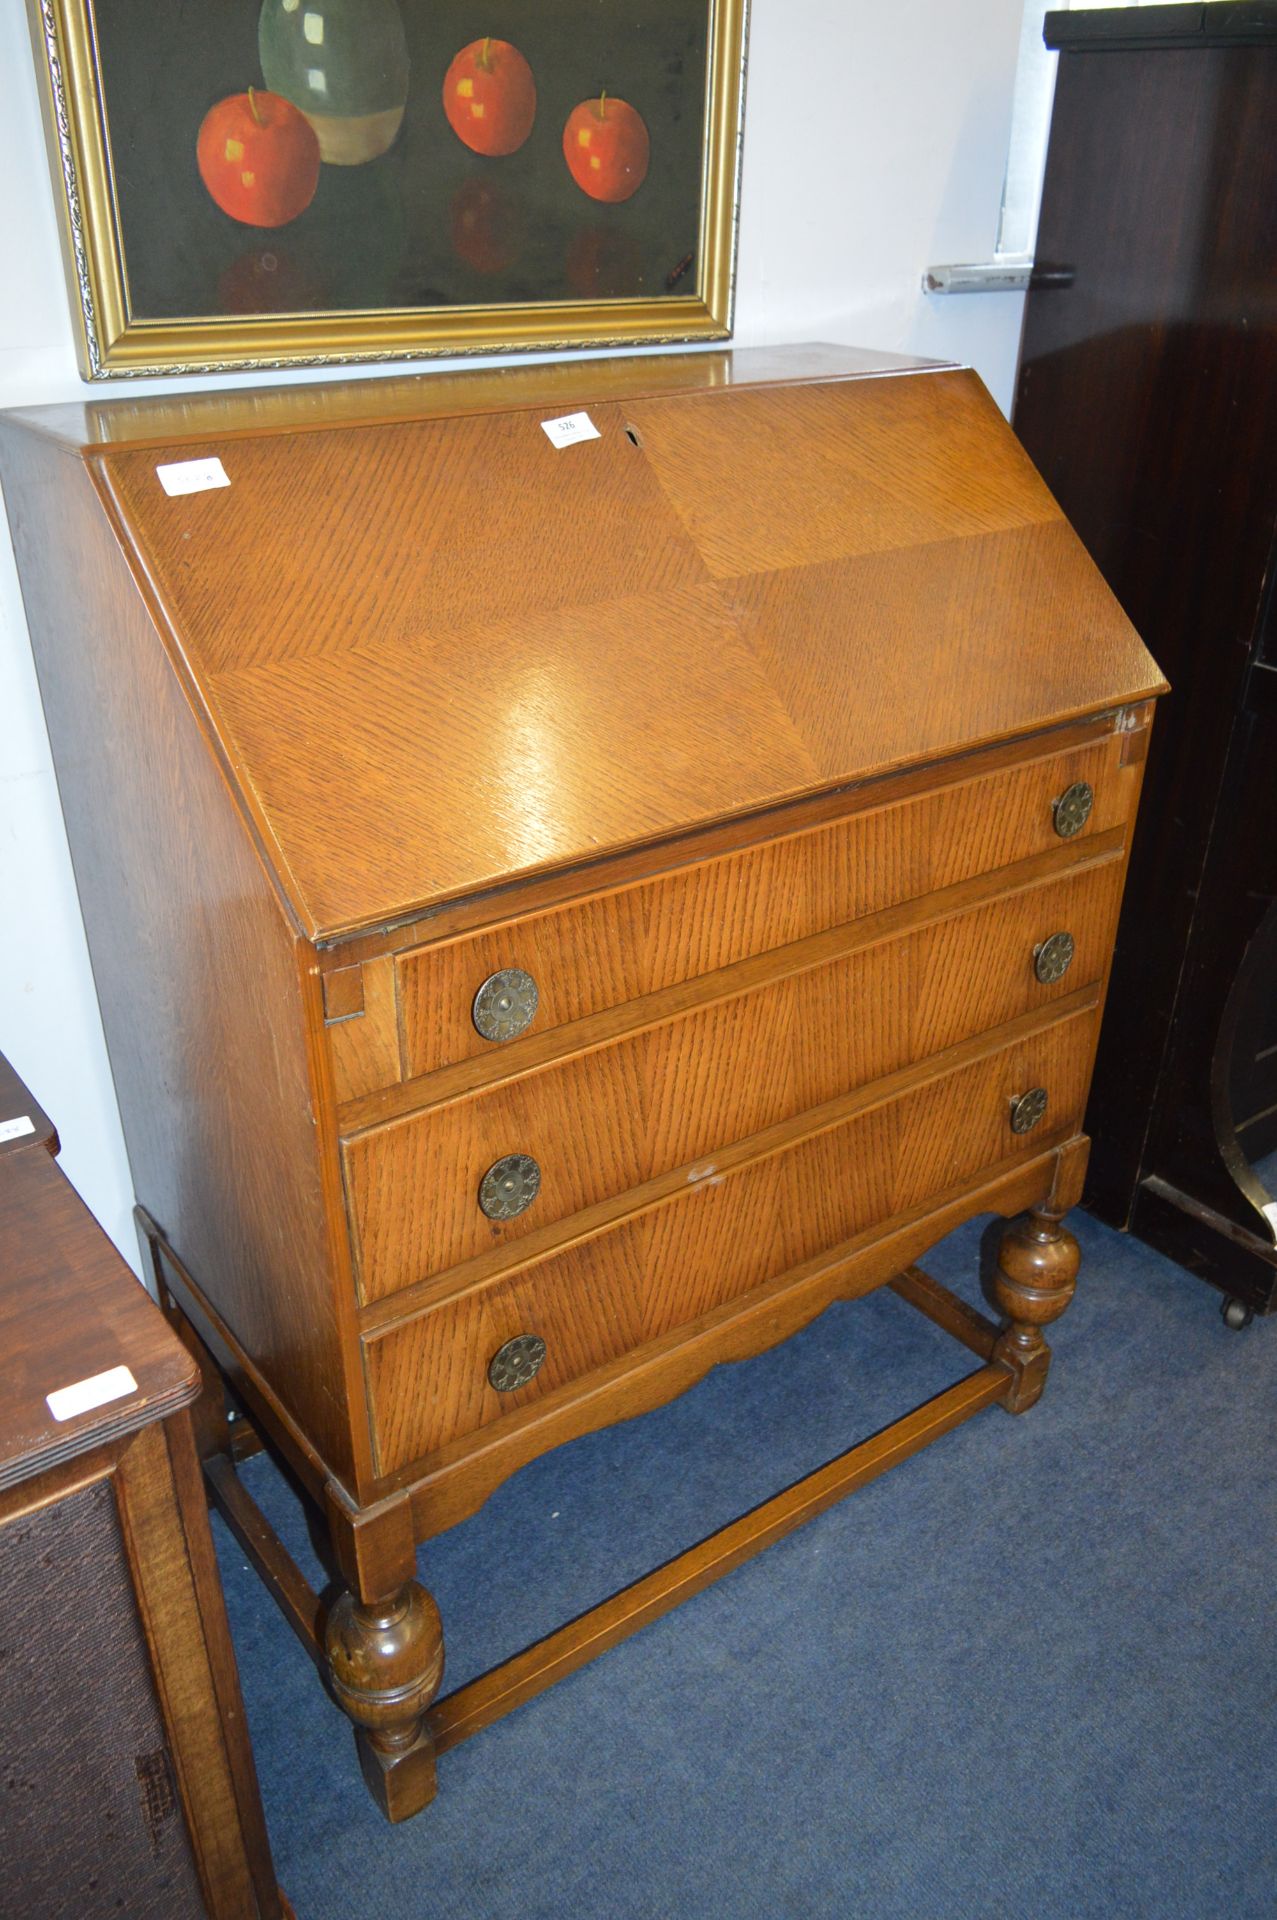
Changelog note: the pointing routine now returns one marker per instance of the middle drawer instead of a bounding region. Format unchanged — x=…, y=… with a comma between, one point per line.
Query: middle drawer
x=593, y=1125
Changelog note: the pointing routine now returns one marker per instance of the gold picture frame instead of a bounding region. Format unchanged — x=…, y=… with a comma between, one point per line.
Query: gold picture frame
x=619, y=291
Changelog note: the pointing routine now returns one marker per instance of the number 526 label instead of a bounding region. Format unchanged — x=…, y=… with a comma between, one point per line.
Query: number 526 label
x=571, y=427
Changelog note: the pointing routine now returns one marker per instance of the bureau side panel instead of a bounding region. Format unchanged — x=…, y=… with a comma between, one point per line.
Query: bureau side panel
x=196, y=964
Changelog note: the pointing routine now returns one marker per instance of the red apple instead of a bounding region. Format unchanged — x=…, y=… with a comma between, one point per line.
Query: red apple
x=606, y=147
x=490, y=97
x=258, y=156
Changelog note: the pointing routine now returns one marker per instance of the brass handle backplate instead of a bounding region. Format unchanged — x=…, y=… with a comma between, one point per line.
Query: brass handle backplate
x=509, y=1186
x=1027, y=1109
x=514, y=1364
x=505, y=1005
x=1053, y=957
x=1071, y=811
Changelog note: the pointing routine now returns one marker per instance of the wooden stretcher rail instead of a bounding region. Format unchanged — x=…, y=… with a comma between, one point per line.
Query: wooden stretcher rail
x=515, y=1681
x=477, y=1705
x=293, y=1594
x=945, y=1308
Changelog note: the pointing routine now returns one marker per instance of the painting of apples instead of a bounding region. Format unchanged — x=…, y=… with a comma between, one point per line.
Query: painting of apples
x=362, y=156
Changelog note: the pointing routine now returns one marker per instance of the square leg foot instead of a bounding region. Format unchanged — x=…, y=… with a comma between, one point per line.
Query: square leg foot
x=402, y=1782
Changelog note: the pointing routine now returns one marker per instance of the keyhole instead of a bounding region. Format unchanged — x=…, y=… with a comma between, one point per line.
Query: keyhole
x=631, y=434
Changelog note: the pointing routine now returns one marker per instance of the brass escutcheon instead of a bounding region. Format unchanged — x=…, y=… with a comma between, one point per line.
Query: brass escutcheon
x=1053, y=957
x=1028, y=1109
x=514, y=1364
x=509, y=1186
x=506, y=1004
x=1072, y=810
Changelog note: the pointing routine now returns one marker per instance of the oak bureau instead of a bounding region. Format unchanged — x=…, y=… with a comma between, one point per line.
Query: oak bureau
x=563, y=915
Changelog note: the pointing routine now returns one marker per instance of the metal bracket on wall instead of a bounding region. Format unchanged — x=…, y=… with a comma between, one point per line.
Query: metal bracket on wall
x=983, y=276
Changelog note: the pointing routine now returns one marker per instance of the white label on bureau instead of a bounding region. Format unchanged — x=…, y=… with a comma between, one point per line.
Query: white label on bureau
x=87, y=1394
x=14, y=1129
x=193, y=476
x=571, y=427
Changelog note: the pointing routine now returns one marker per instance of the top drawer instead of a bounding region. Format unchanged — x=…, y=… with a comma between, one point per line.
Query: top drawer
x=599, y=952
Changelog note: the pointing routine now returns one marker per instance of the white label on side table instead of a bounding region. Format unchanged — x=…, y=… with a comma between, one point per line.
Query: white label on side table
x=569, y=428
x=14, y=1129
x=193, y=476
x=94, y=1392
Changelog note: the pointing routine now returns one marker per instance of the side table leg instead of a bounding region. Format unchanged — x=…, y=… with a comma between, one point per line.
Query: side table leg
x=1033, y=1283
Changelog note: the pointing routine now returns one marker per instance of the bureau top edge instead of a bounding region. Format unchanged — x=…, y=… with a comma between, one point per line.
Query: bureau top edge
x=159, y=420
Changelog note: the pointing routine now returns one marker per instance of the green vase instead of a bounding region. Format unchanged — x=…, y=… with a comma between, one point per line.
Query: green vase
x=345, y=64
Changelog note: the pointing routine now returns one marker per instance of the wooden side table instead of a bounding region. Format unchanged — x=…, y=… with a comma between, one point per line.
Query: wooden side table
x=128, y=1783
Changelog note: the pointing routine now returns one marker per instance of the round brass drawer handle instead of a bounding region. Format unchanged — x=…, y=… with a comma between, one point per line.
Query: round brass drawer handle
x=1072, y=810
x=1027, y=1109
x=509, y=1186
x=514, y=1364
x=1053, y=957
x=506, y=1004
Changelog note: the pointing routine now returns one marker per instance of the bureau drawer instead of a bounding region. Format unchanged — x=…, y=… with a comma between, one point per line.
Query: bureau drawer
x=618, y=946
x=714, y=1241
x=599, y=1123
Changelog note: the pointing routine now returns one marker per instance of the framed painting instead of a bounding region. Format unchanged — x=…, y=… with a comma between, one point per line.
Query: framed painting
x=264, y=183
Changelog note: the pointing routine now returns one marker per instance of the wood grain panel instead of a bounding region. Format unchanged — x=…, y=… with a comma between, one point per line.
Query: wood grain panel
x=605, y=1121
x=524, y=705
x=841, y=473
x=1017, y=633
x=618, y=946
x=440, y=656
x=715, y=1241
x=466, y=512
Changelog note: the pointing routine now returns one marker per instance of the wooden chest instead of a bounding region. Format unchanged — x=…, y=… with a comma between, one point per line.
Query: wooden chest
x=129, y=1785
x=565, y=914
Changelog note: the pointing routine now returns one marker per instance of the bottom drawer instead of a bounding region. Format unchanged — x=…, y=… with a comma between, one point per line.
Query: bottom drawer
x=713, y=1241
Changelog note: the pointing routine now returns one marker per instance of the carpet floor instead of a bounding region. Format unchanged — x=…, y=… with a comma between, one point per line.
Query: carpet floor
x=1032, y=1671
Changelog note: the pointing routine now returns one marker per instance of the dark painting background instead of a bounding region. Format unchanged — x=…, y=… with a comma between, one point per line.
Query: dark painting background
x=382, y=234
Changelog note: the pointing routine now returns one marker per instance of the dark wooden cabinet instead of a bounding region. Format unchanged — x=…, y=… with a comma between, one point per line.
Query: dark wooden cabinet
x=563, y=916
x=128, y=1782
x=1148, y=398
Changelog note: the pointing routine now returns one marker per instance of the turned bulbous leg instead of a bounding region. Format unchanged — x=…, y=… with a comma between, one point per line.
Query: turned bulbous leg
x=1033, y=1284
x=385, y=1661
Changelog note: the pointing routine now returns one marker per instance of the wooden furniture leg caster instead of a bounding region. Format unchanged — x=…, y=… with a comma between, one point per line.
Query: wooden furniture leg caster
x=1236, y=1315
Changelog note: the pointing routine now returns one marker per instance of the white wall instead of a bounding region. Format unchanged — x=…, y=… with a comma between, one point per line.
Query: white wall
x=875, y=144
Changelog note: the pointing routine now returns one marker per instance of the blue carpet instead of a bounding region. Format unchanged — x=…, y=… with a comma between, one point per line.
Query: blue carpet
x=1032, y=1671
